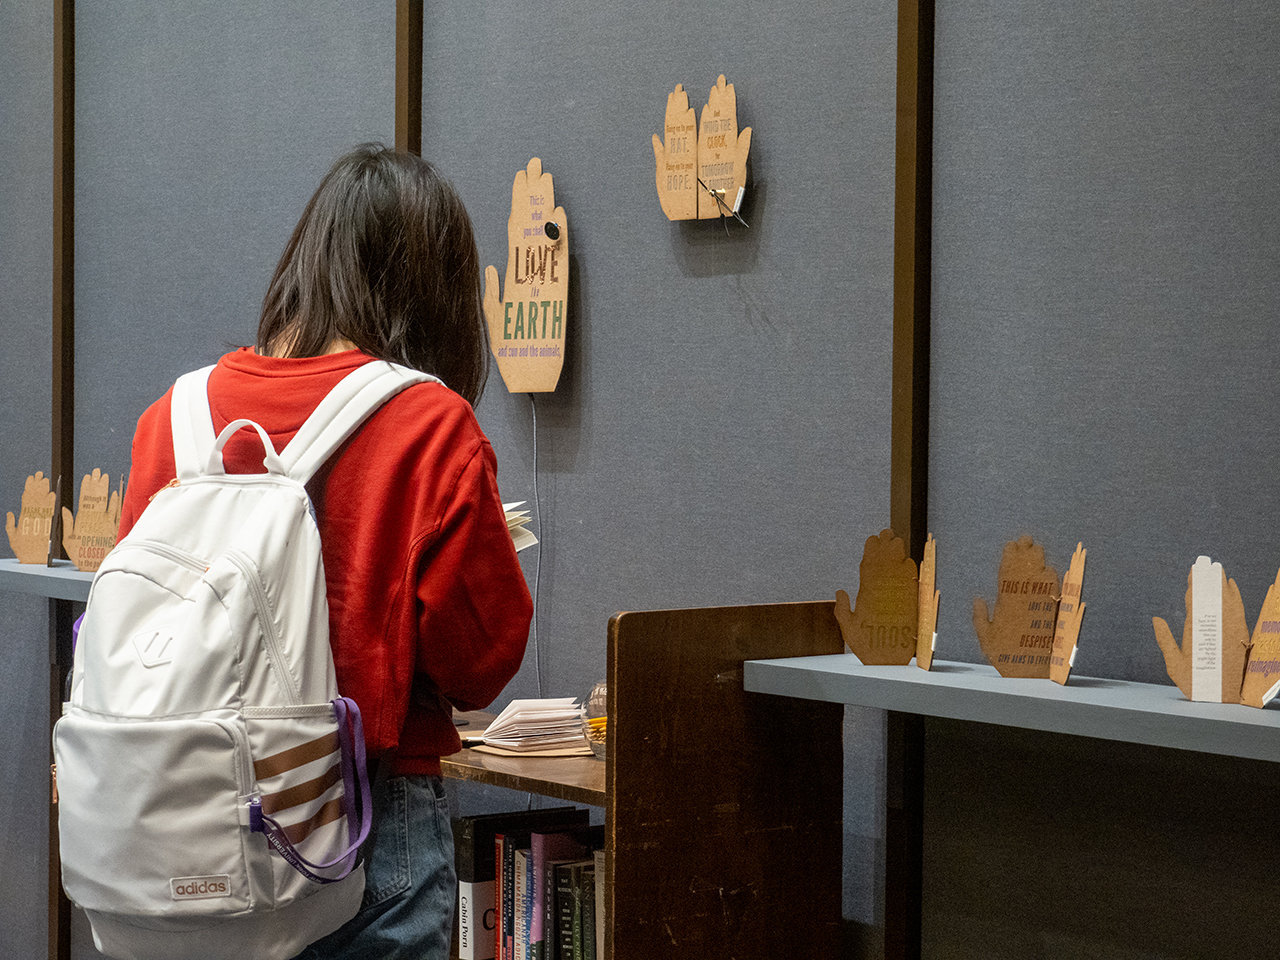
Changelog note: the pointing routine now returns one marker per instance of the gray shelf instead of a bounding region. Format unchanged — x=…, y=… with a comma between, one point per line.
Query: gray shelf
x=61, y=581
x=1146, y=713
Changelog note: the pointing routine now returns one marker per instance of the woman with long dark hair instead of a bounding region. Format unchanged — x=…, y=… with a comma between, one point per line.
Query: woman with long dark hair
x=428, y=607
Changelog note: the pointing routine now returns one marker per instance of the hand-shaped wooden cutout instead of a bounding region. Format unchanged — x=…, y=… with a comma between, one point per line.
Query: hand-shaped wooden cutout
x=1181, y=660
x=1070, y=613
x=1018, y=640
x=722, y=153
x=90, y=535
x=1262, y=675
x=29, y=536
x=881, y=629
x=927, y=605
x=527, y=322
x=676, y=158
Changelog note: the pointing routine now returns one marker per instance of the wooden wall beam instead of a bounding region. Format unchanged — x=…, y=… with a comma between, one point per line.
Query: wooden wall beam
x=63, y=412
x=912, y=235
x=64, y=189
x=409, y=75
x=909, y=451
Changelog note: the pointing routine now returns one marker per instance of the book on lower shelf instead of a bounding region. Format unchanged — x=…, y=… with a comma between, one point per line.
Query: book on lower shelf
x=475, y=920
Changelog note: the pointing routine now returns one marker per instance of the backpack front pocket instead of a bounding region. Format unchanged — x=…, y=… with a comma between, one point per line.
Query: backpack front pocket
x=152, y=815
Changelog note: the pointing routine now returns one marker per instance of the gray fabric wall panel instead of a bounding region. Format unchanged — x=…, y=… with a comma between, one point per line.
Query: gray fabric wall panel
x=201, y=130
x=1105, y=244
x=720, y=433
x=1105, y=240
x=26, y=284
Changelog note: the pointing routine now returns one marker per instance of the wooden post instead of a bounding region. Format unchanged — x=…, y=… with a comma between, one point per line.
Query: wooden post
x=913, y=209
x=909, y=451
x=409, y=75
x=63, y=413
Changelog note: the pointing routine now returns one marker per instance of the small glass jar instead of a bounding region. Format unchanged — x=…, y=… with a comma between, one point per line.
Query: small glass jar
x=595, y=717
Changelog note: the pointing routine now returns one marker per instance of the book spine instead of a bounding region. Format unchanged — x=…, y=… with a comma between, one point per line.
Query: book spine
x=598, y=856
x=589, y=914
x=576, y=895
x=519, y=892
x=475, y=920
x=508, y=899
x=499, y=893
x=564, y=912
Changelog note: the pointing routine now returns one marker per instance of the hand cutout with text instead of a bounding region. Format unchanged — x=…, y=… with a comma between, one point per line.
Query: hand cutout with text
x=1262, y=675
x=881, y=628
x=722, y=153
x=927, y=617
x=29, y=536
x=1070, y=614
x=1179, y=659
x=676, y=157
x=527, y=318
x=1018, y=639
x=91, y=534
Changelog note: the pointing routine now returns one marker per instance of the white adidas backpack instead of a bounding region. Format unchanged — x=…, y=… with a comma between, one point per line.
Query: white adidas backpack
x=208, y=770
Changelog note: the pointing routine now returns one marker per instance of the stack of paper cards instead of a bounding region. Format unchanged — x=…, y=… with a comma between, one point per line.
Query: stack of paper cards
x=518, y=525
x=549, y=727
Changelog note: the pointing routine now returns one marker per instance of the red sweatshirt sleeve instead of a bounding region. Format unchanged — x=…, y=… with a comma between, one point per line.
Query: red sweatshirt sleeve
x=472, y=630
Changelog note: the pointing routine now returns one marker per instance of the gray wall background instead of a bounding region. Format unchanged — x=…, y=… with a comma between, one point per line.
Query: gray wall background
x=1105, y=294
x=721, y=431
x=26, y=298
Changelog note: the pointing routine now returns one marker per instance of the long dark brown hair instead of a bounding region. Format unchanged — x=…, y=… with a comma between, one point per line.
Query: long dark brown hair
x=384, y=256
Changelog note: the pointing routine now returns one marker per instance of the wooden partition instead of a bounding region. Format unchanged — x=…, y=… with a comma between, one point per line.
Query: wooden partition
x=724, y=807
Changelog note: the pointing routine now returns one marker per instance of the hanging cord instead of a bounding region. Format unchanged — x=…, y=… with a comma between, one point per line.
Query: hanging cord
x=537, y=563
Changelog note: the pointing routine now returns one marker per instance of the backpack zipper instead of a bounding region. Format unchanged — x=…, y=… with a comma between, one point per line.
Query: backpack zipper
x=275, y=651
x=180, y=557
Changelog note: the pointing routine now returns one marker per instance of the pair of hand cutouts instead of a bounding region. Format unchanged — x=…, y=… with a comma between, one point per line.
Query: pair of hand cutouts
x=713, y=150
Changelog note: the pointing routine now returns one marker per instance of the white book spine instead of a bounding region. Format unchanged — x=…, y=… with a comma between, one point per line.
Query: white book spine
x=475, y=920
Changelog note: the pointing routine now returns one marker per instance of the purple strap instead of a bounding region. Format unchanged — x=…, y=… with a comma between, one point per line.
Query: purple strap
x=75, y=632
x=352, y=761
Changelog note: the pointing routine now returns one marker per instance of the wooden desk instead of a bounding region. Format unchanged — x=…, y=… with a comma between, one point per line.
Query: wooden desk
x=575, y=779
x=723, y=810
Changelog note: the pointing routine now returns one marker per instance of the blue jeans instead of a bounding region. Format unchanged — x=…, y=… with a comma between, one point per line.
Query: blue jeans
x=410, y=883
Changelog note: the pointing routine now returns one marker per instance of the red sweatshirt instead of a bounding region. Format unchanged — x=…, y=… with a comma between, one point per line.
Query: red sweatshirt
x=428, y=605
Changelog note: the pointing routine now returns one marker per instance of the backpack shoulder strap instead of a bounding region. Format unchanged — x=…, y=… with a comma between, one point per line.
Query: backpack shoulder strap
x=341, y=412
x=191, y=423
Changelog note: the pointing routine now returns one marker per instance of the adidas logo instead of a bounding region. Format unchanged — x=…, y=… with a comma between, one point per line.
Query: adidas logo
x=200, y=888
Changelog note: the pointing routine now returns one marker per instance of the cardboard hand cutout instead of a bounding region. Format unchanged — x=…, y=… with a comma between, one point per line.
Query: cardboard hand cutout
x=527, y=319
x=722, y=152
x=1215, y=638
x=30, y=534
x=1018, y=639
x=1070, y=613
x=1262, y=675
x=676, y=158
x=927, y=606
x=90, y=535
x=881, y=628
